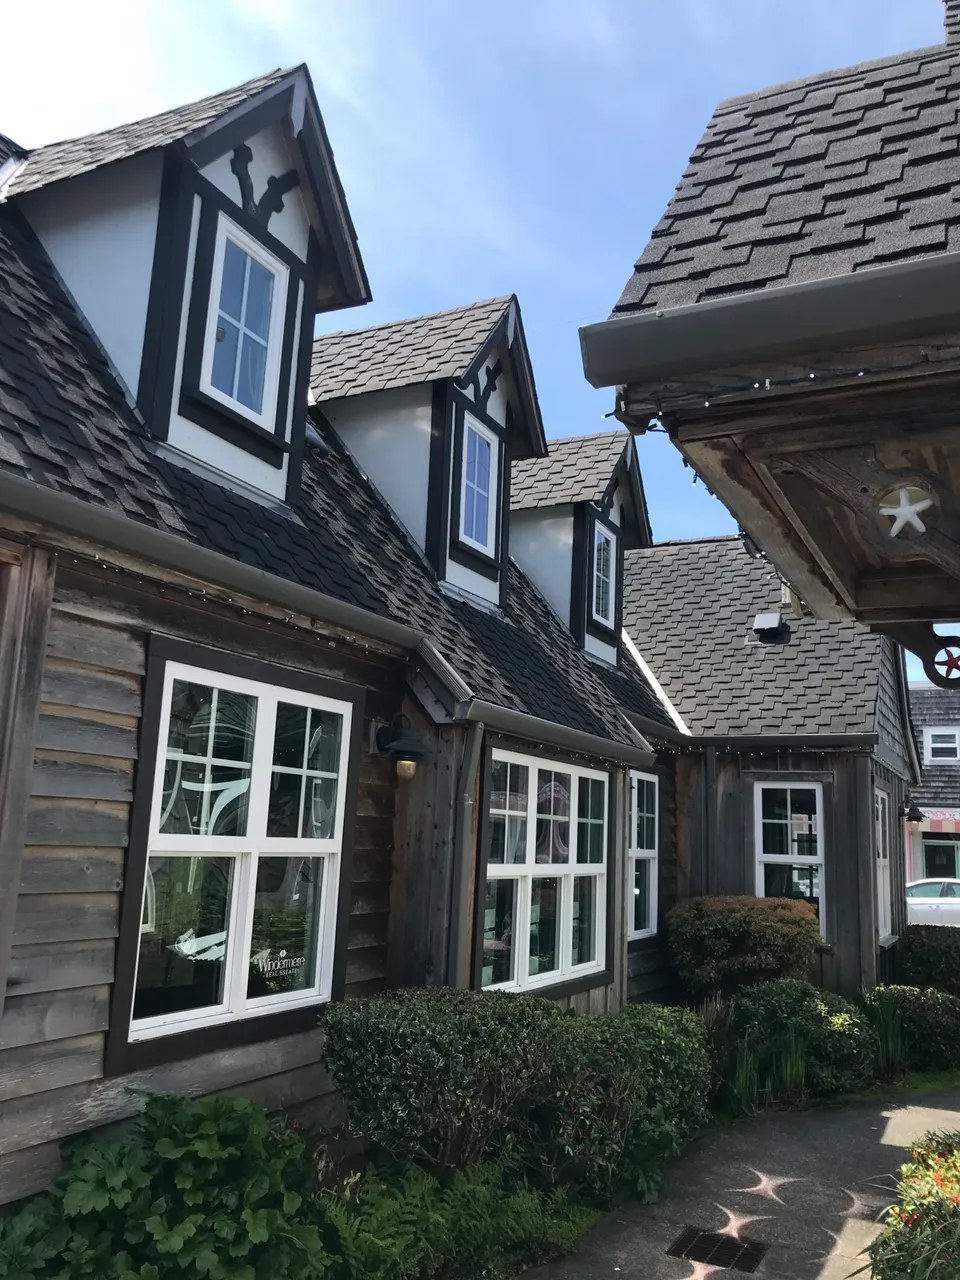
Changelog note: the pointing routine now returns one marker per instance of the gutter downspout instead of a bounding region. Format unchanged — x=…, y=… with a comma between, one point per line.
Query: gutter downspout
x=464, y=864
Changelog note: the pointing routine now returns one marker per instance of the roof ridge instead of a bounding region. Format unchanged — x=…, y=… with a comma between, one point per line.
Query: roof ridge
x=269, y=76
x=823, y=77
x=688, y=542
x=587, y=435
x=429, y=315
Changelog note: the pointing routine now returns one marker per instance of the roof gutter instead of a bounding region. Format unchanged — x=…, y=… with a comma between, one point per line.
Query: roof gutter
x=553, y=735
x=903, y=300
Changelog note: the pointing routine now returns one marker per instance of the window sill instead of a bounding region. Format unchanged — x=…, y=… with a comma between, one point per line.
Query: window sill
x=565, y=987
x=887, y=941
x=233, y=427
x=645, y=936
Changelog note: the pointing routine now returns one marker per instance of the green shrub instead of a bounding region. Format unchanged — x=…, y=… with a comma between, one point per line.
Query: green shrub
x=207, y=1190
x=929, y=1021
x=725, y=944
x=928, y=955
x=782, y=1021
x=921, y=1234
x=447, y=1078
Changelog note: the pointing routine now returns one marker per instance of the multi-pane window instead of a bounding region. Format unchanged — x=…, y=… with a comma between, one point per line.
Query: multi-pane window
x=244, y=327
x=942, y=744
x=544, y=900
x=246, y=829
x=789, y=842
x=478, y=490
x=604, y=576
x=884, y=899
x=642, y=856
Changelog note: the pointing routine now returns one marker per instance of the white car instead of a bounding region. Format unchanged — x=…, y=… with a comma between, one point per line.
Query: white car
x=933, y=902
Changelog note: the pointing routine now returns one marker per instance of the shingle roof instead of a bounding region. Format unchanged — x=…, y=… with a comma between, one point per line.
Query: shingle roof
x=65, y=425
x=689, y=608
x=939, y=783
x=820, y=177
x=577, y=469
x=74, y=156
x=404, y=352
x=9, y=149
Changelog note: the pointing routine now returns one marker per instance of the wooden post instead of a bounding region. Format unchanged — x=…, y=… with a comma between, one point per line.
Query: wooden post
x=26, y=595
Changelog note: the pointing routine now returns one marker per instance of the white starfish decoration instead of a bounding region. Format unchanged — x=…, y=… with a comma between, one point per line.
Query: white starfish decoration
x=766, y=1186
x=907, y=512
x=735, y=1223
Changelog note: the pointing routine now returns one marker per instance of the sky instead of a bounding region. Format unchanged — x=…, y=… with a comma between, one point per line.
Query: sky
x=508, y=146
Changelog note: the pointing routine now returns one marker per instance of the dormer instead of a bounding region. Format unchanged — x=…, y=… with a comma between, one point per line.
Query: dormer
x=573, y=514
x=437, y=411
x=199, y=245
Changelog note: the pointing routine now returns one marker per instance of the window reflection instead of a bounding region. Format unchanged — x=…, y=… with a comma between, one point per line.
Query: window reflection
x=209, y=752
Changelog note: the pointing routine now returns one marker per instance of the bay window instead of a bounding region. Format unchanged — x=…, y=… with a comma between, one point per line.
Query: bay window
x=243, y=847
x=642, y=848
x=544, y=899
x=788, y=827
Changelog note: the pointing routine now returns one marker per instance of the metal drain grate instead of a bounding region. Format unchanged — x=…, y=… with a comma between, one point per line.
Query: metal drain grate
x=719, y=1250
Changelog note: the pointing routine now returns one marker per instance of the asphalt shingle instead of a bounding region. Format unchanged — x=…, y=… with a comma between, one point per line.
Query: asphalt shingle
x=863, y=165
x=404, y=352
x=576, y=469
x=689, y=608
x=73, y=156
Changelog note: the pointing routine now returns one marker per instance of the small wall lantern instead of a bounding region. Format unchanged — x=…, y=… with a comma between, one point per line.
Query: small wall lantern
x=912, y=812
x=397, y=739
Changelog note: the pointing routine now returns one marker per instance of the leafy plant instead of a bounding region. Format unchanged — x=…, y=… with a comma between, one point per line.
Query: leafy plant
x=204, y=1190
x=921, y=1234
x=929, y=1023
x=721, y=945
x=928, y=955
x=786, y=1020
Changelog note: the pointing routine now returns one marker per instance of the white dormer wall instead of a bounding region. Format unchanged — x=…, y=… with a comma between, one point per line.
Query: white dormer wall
x=99, y=231
x=541, y=542
x=388, y=434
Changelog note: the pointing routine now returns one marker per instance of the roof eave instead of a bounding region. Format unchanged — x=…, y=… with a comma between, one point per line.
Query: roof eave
x=902, y=300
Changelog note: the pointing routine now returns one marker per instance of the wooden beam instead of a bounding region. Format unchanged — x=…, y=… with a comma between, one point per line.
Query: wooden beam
x=27, y=597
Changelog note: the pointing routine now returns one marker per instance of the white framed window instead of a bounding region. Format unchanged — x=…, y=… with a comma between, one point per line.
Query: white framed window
x=244, y=331
x=788, y=831
x=243, y=852
x=604, y=586
x=881, y=801
x=479, y=486
x=642, y=852
x=544, y=908
x=941, y=744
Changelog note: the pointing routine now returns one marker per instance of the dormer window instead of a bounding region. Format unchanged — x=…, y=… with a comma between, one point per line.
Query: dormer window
x=604, y=593
x=241, y=359
x=479, y=487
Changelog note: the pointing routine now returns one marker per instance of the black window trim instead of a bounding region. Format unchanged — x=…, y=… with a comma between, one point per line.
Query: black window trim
x=462, y=553
x=123, y=1055
x=586, y=517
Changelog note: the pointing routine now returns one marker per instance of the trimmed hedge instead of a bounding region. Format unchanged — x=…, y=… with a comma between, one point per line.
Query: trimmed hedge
x=929, y=1022
x=447, y=1077
x=720, y=945
x=928, y=955
x=921, y=1234
x=830, y=1036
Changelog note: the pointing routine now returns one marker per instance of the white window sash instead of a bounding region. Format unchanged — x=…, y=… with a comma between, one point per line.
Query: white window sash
x=883, y=834
x=470, y=423
x=636, y=854
x=524, y=873
x=609, y=618
x=949, y=741
x=790, y=859
x=266, y=418
x=246, y=850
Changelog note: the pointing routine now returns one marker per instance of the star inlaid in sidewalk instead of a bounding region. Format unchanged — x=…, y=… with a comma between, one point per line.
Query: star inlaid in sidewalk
x=910, y=502
x=736, y=1222
x=766, y=1186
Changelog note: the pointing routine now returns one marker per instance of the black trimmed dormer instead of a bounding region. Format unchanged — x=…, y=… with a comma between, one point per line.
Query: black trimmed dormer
x=573, y=514
x=437, y=410
x=199, y=245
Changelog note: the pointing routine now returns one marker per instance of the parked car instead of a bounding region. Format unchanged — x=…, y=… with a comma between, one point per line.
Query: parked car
x=933, y=902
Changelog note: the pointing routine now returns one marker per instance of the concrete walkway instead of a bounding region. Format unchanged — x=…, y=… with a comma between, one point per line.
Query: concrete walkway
x=809, y=1184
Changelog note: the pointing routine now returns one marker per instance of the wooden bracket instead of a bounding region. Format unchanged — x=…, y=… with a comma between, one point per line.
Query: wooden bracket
x=940, y=655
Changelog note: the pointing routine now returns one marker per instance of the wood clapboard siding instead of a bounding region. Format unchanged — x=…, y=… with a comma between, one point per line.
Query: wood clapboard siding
x=71, y=880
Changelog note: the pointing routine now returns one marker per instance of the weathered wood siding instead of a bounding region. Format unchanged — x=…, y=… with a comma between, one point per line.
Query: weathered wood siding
x=66, y=922
x=648, y=969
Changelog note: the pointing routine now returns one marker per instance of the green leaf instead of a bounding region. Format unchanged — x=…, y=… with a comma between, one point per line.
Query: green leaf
x=291, y=1202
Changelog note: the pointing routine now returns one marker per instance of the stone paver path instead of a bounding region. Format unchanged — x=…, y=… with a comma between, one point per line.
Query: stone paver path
x=809, y=1184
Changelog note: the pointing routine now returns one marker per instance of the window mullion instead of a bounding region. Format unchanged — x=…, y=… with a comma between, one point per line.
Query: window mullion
x=260, y=780
x=240, y=319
